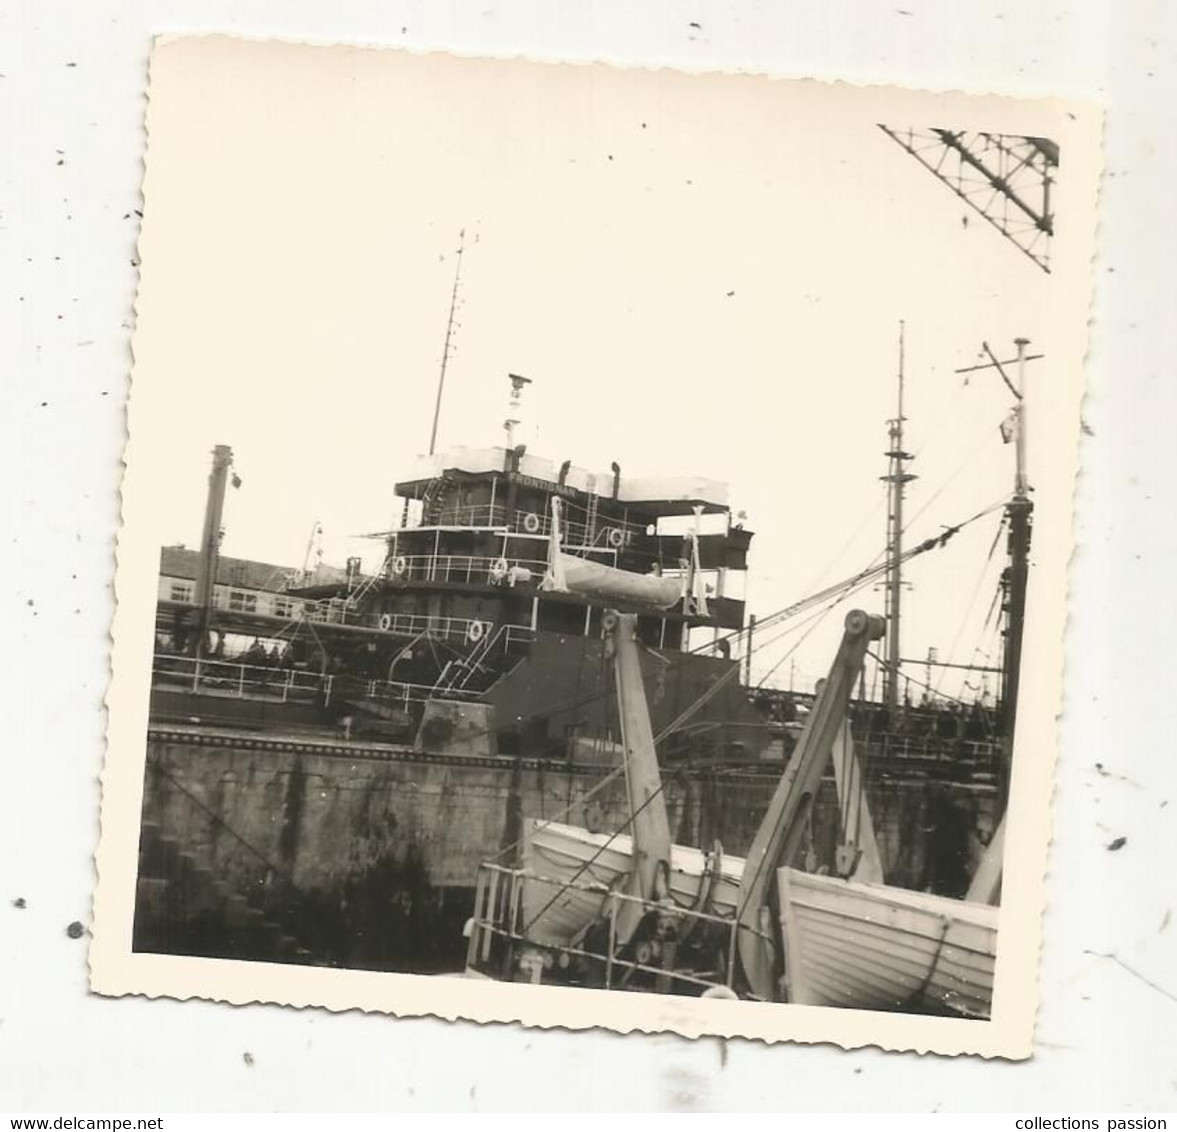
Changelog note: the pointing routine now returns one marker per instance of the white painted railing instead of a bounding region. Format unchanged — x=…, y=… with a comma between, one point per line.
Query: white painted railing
x=465, y=569
x=237, y=679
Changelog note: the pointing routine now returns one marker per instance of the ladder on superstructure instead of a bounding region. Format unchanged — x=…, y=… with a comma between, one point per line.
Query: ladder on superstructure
x=590, y=529
x=436, y=496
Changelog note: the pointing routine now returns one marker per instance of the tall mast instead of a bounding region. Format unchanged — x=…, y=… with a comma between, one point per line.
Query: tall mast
x=1019, y=511
x=897, y=478
x=449, y=333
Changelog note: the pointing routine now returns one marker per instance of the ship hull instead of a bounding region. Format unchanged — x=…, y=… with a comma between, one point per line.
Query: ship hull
x=874, y=947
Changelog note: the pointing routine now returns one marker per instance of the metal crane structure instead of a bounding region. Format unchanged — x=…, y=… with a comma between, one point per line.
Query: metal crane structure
x=312, y=559
x=1007, y=178
x=614, y=920
x=778, y=838
x=635, y=912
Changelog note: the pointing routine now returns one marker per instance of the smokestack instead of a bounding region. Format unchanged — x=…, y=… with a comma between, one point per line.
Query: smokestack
x=565, y=468
x=615, y=467
x=514, y=419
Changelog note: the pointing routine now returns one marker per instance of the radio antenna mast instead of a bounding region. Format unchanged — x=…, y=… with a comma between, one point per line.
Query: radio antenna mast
x=449, y=336
x=897, y=478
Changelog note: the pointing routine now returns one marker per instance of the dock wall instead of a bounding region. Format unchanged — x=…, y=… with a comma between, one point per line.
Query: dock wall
x=367, y=855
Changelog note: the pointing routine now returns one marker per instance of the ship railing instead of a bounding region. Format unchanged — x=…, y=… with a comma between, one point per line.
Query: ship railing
x=239, y=679
x=499, y=939
x=494, y=516
x=537, y=524
x=515, y=635
x=578, y=534
x=448, y=628
x=885, y=745
x=465, y=569
x=475, y=515
x=397, y=693
x=471, y=672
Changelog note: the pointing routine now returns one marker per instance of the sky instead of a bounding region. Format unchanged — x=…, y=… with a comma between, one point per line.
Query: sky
x=701, y=275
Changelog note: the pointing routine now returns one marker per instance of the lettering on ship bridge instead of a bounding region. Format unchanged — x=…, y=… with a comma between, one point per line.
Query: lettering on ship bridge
x=542, y=485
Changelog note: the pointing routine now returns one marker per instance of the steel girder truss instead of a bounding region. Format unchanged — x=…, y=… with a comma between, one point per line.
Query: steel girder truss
x=1007, y=178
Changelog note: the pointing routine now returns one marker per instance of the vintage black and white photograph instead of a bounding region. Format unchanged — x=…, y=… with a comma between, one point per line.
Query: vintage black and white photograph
x=595, y=542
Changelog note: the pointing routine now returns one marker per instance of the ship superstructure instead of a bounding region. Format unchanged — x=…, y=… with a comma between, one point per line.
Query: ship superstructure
x=467, y=606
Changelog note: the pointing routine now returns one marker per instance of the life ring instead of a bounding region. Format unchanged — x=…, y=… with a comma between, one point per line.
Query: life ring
x=474, y=631
x=399, y=565
x=386, y=621
x=498, y=569
x=531, y=523
x=615, y=538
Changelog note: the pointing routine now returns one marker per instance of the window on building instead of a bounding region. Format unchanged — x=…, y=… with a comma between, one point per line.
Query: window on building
x=182, y=591
x=283, y=607
x=242, y=602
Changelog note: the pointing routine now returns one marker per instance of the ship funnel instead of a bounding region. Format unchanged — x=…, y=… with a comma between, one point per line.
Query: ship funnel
x=514, y=411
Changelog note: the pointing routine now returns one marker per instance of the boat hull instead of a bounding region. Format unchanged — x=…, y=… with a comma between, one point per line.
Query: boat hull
x=874, y=947
x=572, y=871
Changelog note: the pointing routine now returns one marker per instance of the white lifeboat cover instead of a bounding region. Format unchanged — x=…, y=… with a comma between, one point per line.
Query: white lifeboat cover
x=594, y=579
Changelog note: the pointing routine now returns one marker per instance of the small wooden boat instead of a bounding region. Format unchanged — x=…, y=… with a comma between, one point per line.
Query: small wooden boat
x=875, y=947
x=571, y=873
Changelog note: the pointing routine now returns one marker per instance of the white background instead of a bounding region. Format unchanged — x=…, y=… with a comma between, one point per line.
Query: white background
x=70, y=164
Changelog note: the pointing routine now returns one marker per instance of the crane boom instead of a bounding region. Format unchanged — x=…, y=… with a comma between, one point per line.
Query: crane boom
x=650, y=824
x=776, y=839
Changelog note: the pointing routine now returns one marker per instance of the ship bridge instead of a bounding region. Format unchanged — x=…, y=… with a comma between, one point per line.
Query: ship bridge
x=670, y=495
x=480, y=519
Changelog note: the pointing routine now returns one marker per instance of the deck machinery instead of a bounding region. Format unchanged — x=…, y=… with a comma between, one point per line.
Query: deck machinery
x=630, y=910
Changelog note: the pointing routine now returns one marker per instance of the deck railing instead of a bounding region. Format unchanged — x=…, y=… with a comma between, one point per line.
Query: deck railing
x=446, y=628
x=240, y=680
x=499, y=939
x=573, y=529
x=475, y=515
x=463, y=569
x=932, y=748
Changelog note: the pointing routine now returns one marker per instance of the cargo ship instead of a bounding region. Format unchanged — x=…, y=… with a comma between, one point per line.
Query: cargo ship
x=333, y=755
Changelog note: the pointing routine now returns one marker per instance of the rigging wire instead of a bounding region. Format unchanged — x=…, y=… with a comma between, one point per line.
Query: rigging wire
x=873, y=570
x=813, y=623
x=868, y=575
x=676, y=725
x=973, y=598
x=869, y=517
x=992, y=626
x=973, y=453
x=928, y=687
